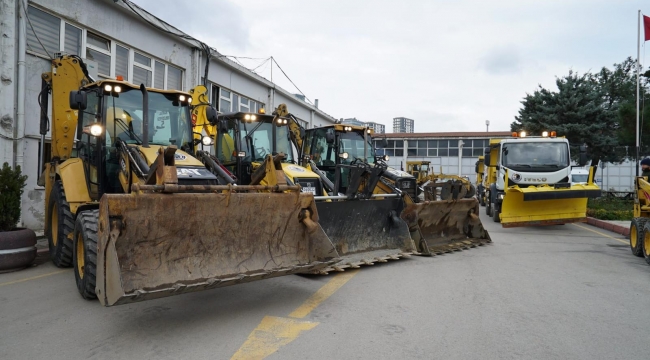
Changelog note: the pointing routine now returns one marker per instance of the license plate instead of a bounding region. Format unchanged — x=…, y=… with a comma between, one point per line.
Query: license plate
x=310, y=189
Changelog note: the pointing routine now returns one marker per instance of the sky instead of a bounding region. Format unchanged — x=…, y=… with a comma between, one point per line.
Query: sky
x=449, y=65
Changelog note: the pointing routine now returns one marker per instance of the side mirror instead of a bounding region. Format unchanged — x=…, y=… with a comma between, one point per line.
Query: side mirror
x=78, y=100
x=582, y=160
x=211, y=114
x=486, y=151
x=329, y=137
x=384, y=143
x=223, y=127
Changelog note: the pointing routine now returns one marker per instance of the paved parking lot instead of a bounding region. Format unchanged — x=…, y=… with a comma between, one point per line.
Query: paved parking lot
x=569, y=291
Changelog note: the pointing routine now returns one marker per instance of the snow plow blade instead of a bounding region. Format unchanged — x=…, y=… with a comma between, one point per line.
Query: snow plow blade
x=444, y=226
x=546, y=205
x=157, y=244
x=365, y=231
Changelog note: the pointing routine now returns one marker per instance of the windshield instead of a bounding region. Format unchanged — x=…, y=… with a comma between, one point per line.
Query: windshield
x=535, y=156
x=168, y=119
x=257, y=138
x=579, y=178
x=352, y=143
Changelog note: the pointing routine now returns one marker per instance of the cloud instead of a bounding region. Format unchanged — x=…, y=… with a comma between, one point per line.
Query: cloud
x=220, y=23
x=503, y=60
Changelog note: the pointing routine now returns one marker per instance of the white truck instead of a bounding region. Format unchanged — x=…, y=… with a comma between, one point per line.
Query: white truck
x=533, y=185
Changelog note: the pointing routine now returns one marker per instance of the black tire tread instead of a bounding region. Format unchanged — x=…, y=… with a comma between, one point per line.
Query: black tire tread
x=495, y=214
x=639, y=223
x=61, y=254
x=88, y=223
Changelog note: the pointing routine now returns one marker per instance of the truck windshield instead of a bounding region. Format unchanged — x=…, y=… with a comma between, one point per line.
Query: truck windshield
x=352, y=143
x=266, y=139
x=535, y=156
x=168, y=119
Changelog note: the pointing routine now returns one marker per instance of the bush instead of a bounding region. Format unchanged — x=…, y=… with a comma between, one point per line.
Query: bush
x=11, y=189
x=610, y=209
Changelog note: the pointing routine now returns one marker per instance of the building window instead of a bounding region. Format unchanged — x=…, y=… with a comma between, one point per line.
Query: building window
x=98, y=50
x=142, y=71
x=174, y=78
x=47, y=29
x=72, y=44
x=122, y=62
x=224, y=103
x=159, y=75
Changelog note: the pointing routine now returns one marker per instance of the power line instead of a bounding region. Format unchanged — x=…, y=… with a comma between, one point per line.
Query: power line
x=292, y=83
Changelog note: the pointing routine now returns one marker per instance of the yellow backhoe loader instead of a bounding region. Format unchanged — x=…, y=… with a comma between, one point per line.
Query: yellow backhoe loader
x=439, y=186
x=339, y=151
x=640, y=226
x=257, y=149
x=139, y=217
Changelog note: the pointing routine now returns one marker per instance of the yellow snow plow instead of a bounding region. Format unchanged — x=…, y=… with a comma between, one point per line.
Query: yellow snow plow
x=546, y=205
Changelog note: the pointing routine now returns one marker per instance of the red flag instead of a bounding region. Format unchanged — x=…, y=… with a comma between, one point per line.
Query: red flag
x=646, y=27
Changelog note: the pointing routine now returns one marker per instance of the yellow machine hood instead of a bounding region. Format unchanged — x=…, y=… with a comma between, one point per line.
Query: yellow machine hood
x=181, y=158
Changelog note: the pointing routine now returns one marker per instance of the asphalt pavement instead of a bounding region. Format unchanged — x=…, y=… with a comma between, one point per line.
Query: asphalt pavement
x=557, y=292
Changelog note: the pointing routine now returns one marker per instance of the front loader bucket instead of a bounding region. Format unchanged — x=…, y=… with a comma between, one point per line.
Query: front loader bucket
x=445, y=226
x=365, y=231
x=546, y=205
x=154, y=245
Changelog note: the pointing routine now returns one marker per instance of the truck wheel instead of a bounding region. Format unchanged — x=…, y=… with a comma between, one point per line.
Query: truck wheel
x=481, y=200
x=61, y=223
x=637, y=231
x=85, y=253
x=495, y=213
x=646, y=242
x=488, y=207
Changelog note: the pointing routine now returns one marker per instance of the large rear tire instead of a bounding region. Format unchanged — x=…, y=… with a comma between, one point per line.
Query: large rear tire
x=61, y=224
x=637, y=230
x=645, y=243
x=495, y=213
x=488, y=206
x=85, y=253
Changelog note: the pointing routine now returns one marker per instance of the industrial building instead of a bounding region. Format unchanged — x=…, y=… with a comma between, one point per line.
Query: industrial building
x=114, y=38
x=378, y=128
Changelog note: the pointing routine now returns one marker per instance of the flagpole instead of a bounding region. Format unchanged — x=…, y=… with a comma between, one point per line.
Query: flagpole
x=638, y=57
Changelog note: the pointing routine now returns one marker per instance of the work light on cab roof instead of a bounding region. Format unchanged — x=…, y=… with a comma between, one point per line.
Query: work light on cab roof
x=545, y=134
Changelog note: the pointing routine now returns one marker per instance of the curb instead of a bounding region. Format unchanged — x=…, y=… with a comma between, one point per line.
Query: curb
x=625, y=231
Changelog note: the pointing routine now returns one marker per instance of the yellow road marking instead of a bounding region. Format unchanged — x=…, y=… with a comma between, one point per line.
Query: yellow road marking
x=274, y=332
x=601, y=234
x=33, y=277
x=322, y=294
x=270, y=335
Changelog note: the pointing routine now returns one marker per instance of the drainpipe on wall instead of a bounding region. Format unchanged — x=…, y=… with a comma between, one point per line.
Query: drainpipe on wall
x=19, y=134
x=460, y=157
x=405, y=156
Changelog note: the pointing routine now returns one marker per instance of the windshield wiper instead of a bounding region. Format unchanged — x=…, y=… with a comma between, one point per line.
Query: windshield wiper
x=518, y=165
x=553, y=165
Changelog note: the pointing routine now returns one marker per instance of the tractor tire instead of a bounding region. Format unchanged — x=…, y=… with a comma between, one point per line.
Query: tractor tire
x=85, y=253
x=61, y=224
x=471, y=192
x=495, y=214
x=488, y=208
x=637, y=232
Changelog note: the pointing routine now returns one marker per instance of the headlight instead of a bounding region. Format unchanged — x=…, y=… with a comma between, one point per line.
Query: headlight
x=181, y=98
x=206, y=140
x=343, y=155
x=247, y=117
x=522, y=134
x=117, y=89
x=500, y=196
x=545, y=134
x=94, y=130
x=108, y=87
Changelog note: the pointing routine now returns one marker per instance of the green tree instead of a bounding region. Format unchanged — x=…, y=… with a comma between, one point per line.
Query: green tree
x=576, y=111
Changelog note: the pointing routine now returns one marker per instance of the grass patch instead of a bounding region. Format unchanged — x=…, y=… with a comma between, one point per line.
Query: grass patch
x=610, y=209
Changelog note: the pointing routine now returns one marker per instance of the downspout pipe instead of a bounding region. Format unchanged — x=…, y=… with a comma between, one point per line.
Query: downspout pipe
x=19, y=133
